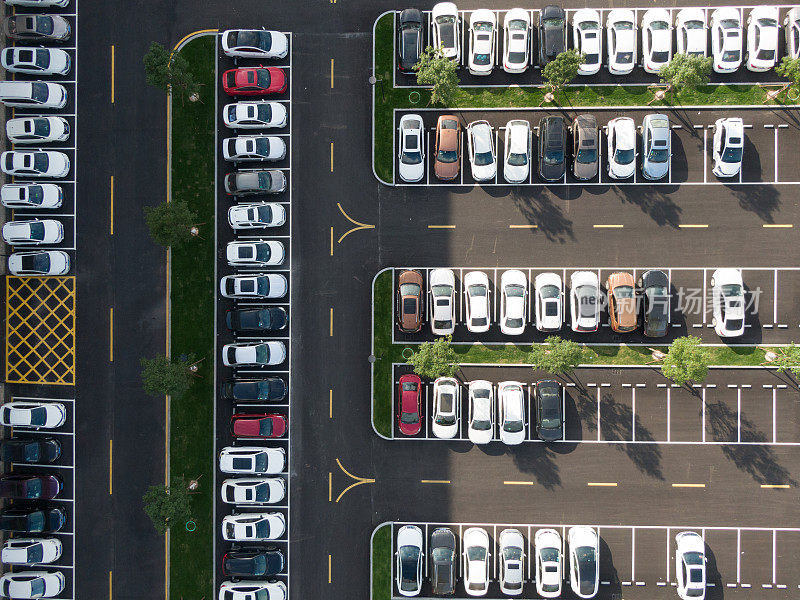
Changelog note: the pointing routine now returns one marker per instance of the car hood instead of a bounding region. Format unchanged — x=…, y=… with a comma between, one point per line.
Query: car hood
x=626, y=312
x=585, y=170
x=552, y=172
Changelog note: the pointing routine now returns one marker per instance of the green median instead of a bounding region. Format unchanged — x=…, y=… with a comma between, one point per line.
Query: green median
x=381, y=562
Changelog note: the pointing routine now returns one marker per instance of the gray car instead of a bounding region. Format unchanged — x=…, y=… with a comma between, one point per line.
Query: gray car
x=37, y=28
x=244, y=183
x=655, y=146
x=584, y=147
x=443, y=552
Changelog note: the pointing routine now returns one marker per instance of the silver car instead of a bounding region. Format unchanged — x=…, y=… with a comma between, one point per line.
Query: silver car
x=656, y=148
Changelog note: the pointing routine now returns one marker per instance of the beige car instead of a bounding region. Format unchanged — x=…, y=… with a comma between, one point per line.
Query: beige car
x=621, y=302
x=448, y=147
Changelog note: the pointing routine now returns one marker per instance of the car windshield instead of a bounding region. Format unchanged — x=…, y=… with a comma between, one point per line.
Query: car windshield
x=31, y=452
x=481, y=59
x=38, y=416
x=40, y=161
x=693, y=558
x=483, y=158
x=255, y=39
x=732, y=289
x=264, y=180
x=624, y=57
x=554, y=157
x=660, y=57
x=409, y=558
x=515, y=291
x=659, y=25
x=730, y=56
x=409, y=417
x=623, y=25
x=263, y=286
x=411, y=157
x=766, y=55
x=409, y=289
x=263, y=78
x=623, y=157
x=441, y=290
x=549, y=554
x=263, y=253
x=518, y=159
x=262, y=354
x=42, y=58
x=36, y=263
x=767, y=22
x=409, y=386
x=265, y=426
x=44, y=25
x=447, y=30
x=39, y=92
x=262, y=492
x=262, y=529
x=623, y=291
x=586, y=157
x=553, y=22
x=512, y=553
x=513, y=426
x=35, y=553
x=447, y=156
x=732, y=155
x=694, y=25
x=516, y=57
x=41, y=127
x=476, y=290
x=37, y=588
x=589, y=26
x=482, y=26
x=658, y=155
x=263, y=214
x=476, y=553
x=36, y=194
x=549, y=291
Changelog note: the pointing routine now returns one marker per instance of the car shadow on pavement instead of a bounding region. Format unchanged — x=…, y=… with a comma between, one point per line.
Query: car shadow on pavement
x=762, y=200
x=652, y=202
x=538, y=209
x=539, y=461
x=618, y=424
x=717, y=592
x=608, y=572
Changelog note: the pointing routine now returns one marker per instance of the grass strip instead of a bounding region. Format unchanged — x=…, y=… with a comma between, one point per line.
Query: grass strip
x=381, y=564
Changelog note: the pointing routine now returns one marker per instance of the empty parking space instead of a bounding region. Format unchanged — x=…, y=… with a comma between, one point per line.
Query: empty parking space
x=787, y=555
x=689, y=147
x=685, y=414
x=722, y=556
x=616, y=556
x=722, y=413
x=756, y=558
x=650, y=556
x=788, y=157
x=755, y=416
x=650, y=422
x=787, y=313
x=616, y=413
x=787, y=414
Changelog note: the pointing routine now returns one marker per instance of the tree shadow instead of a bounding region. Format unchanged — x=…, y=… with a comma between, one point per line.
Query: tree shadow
x=761, y=200
x=538, y=209
x=539, y=461
x=653, y=203
x=618, y=421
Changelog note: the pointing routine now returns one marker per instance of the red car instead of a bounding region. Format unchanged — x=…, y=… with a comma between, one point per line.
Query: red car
x=264, y=425
x=254, y=81
x=409, y=413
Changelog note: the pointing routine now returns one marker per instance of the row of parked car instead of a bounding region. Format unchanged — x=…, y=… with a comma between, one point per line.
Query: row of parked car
x=549, y=568
x=554, y=146
x=726, y=26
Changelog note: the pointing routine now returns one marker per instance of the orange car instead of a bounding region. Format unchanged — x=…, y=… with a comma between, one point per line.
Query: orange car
x=621, y=302
x=448, y=147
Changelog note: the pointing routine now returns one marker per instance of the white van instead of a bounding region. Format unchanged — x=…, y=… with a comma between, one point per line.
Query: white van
x=32, y=94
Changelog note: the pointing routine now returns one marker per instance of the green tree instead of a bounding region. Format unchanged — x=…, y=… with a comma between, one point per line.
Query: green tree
x=788, y=360
x=437, y=359
x=686, y=71
x=563, y=68
x=169, y=71
x=556, y=355
x=789, y=68
x=162, y=376
x=686, y=361
x=170, y=223
x=435, y=69
x=167, y=506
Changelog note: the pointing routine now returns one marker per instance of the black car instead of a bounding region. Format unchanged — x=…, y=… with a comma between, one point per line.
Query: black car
x=29, y=486
x=32, y=520
x=443, y=552
x=271, y=389
x=552, y=146
x=257, y=319
x=653, y=287
x=255, y=561
x=409, y=39
x=552, y=33
x=45, y=450
x=548, y=400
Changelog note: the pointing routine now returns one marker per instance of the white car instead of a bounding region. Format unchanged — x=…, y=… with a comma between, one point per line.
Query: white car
x=690, y=565
x=517, y=162
x=39, y=263
x=33, y=233
x=728, y=147
x=516, y=40
x=45, y=163
x=584, y=561
x=255, y=115
x=691, y=32
x=31, y=195
x=253, y=353
x=259, y=214
x=512, y=561
x=32, y=94
x=549, y=561
x=253, y=148
x=482, y=29
x=446, y=408
x=587, y=38
x=411, y=155
x=254, y=43
x=447, y=30
x=30, y=551
x=511, y=412
x=549, y=293
x=621, y=41
x=726, y=39
x=481, y=412
x=262, y=285
x=513, y=302
x=37, y=130
x=253, y=490
x=244, y=589
x=35, y=61
x=476, y=298
x=763, y=32
x=252, y=460
x=791, y=28
x=728, y=302
x=253, y=527
x=480, y=148
x=258, y=253
x=476, y=561
x=656, y=39
x=409, y=558
x=585, y=301
x=32, y=584
x=621, y=135
x=47, y=415
x=39, y=3
x=442, y=310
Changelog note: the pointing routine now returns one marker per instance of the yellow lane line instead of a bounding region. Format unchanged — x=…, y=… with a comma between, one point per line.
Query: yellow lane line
x=329, y=556
x=698, y=226
x=434, y=481
x=331, y=157
x=111, y=334
x=110, y=585
x=112, y=205
x=330, y=404
x=688, y=485
x=523, y=226
x=110, y=467
x=112, y=73
x=331, y=241
x=188, y=35
x=608, y=226
x=777, y=225
x=331, y=73
x=441, y=226
x=775, y=486
x=331, y=331
x=517, y=483
x=330, y=486
x=601, y=484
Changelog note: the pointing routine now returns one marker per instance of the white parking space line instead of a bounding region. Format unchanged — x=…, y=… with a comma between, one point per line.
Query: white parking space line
x=669, y=411
x=774, y=416
x=775, y=176
x=633, y=414
x=598, y=414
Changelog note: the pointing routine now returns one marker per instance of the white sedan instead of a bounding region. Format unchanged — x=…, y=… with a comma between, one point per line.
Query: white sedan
x=47, y=415
x=621, y=134
x=691, y=32
x=482, y=30
x=587, y=38
x=442, y=310
x=480, y=148
x=253, y=527
x=791, y=27
x=252, y=460
x=35, y=61
x=549, y=293
x=252, y=590
x=726, y=39
x=253, y=490
x=512, y=557
x=549, y=563
x=728, y=302
x=517, y=162
x=585, y=301
x=656, y=39
x=38, y=3
x=727, y=146
x=476, y=561
x=31, y=195
x=37, y=130
x=32, y=584
x=46, y=163
x=516, y=40
x=690, y=565
x=621, y=42
x=35, y=232
x=514, y=302
x=255, y=115
x=584, y=548
x=763, y=32
x=447, y=30
x=476, y=294
x=30, y=551
x=481, y=412
x=254, y=43
x=253, y=148
x=409, y=558
x=511, y=409
x=39, y=263
x=264, y=285
x=411, y=155
x=261, y=214
x=446, y=407
x=253, y=353
x=258, y=253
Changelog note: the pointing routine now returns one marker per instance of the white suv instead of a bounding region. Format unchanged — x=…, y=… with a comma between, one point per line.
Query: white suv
x=442, y=310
